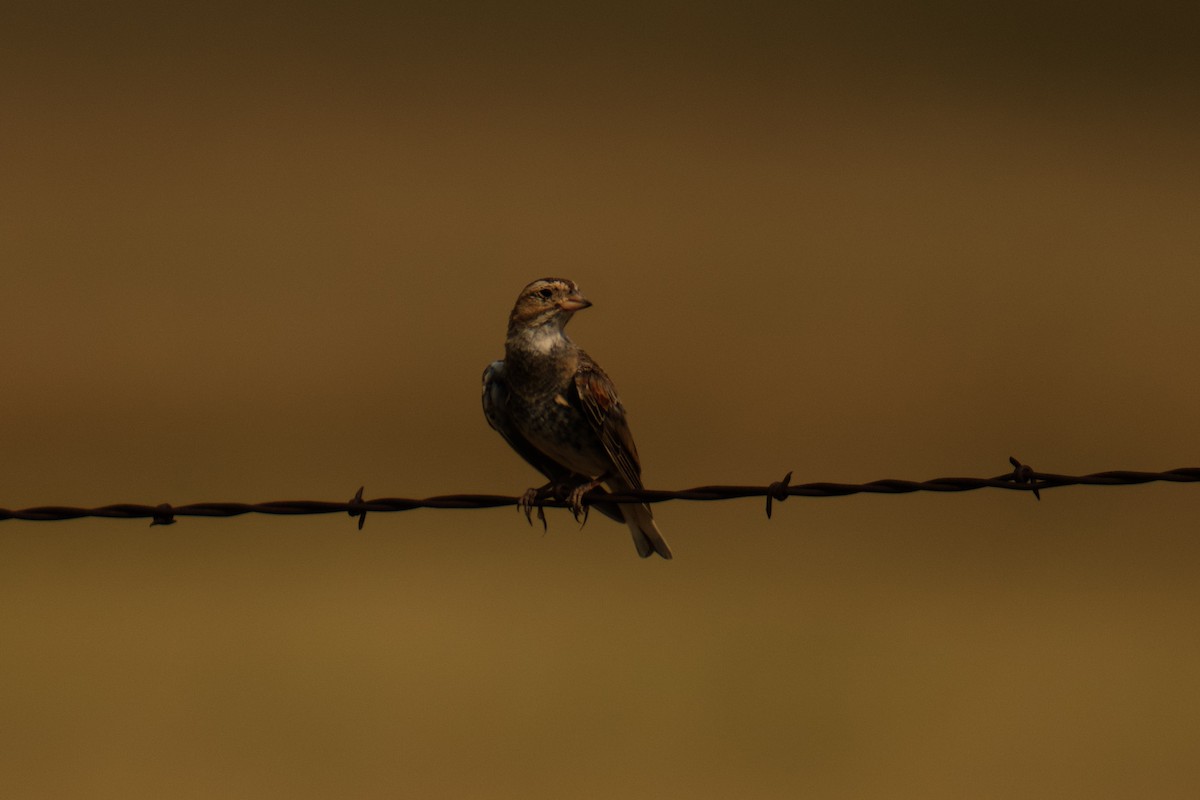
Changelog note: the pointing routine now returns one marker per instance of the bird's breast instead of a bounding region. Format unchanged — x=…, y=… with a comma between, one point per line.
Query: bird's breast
x=559, y=429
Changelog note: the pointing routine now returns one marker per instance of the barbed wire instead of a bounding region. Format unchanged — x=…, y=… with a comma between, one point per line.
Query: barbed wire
x=1022, y=478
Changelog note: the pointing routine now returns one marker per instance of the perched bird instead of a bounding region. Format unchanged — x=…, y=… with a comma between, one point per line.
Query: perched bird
x=554, y=405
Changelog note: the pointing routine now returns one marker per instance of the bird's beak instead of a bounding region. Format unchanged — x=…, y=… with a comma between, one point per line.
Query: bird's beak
x=574, y=302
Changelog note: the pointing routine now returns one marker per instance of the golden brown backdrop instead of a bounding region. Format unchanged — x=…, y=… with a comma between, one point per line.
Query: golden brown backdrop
x=264, y=252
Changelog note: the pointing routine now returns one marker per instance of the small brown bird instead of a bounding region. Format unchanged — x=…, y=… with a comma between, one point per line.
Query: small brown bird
x=560, y=412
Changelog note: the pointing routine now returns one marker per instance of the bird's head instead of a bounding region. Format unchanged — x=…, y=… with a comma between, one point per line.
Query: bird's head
x=547, y=301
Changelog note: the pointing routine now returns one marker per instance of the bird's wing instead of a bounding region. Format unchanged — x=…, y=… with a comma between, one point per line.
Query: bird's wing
x=598, y=399
x=496, y=409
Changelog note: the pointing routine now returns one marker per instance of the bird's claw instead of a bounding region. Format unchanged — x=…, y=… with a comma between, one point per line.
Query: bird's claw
x=575, y=500
x=533, y=498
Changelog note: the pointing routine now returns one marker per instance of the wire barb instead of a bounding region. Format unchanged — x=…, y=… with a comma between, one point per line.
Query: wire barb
x=778, y=491
x=163, y=515
x=1023, y=473
x=356, y=509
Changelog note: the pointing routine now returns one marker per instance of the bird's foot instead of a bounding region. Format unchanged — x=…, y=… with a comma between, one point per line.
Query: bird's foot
x=575, y=500
x=533, y=498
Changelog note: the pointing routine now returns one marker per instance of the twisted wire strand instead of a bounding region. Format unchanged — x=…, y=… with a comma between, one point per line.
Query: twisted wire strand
x=1022, y=478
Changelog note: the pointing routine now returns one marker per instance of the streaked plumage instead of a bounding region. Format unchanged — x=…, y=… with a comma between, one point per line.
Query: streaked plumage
x=558, y=410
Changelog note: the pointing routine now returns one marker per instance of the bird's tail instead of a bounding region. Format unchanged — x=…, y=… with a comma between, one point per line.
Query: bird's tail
x=646, y=537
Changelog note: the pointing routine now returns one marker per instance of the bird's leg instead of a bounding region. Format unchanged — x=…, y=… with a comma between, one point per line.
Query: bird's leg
x=575, y=498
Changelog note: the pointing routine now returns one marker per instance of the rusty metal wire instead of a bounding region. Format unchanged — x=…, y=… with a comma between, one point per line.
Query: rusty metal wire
x=1022, y=478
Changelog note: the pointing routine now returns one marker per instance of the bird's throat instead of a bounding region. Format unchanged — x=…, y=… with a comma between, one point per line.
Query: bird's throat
x=540, y=359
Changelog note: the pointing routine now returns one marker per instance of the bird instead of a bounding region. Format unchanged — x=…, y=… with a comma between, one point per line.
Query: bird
x=560, y=412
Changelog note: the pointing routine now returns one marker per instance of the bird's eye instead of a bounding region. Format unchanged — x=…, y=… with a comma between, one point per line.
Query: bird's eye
x=545, y=294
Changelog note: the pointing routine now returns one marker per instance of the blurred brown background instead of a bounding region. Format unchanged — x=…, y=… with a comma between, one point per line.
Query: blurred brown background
x=264, y=252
